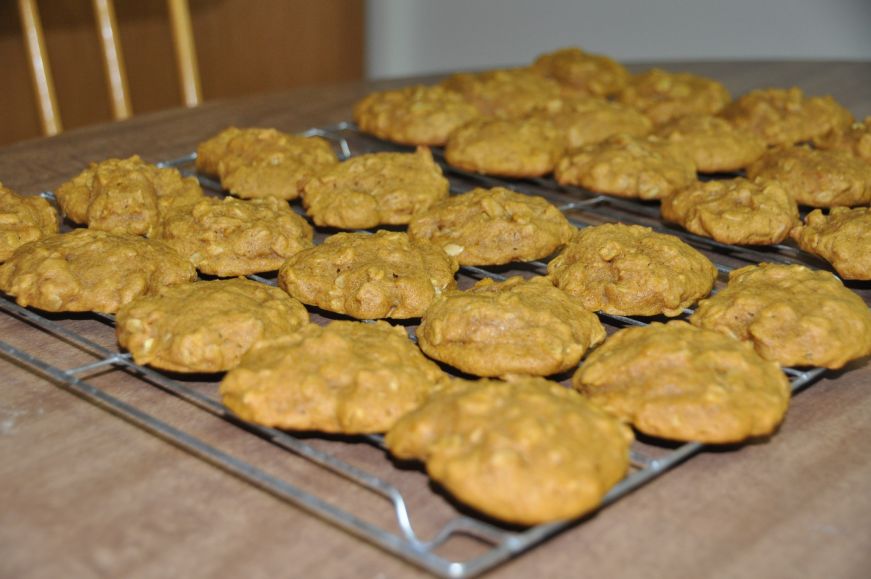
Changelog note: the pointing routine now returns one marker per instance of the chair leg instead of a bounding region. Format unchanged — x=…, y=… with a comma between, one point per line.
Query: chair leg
x=185, y=52
x=40, y=69
x=113, y=58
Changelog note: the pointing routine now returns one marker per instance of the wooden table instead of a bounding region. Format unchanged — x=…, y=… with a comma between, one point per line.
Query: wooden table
x=84, y=493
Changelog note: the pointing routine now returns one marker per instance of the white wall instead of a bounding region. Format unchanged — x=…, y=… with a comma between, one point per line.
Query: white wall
x=406, y=37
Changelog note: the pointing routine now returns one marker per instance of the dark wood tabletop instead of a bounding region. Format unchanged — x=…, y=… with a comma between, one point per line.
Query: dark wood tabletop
x=84, y=493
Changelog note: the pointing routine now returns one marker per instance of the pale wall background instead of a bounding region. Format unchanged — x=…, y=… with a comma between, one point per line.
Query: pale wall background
x=407, y=37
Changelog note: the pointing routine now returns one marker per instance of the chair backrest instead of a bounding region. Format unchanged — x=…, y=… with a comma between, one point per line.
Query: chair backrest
x=113, y=59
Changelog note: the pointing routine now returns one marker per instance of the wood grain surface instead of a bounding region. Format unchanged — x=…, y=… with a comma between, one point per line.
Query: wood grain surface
x=84, y=493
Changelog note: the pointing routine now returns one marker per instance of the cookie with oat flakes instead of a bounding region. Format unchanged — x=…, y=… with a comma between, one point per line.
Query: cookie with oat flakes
x=23, y=218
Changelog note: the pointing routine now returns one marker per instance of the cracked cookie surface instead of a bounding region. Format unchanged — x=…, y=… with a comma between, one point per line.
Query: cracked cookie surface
x=842, y=237
x=383, y=275
x=206, y=326
x=345, y=377
x=525, y=451
x=23, y=218
x=513, y=327
x=680, y=382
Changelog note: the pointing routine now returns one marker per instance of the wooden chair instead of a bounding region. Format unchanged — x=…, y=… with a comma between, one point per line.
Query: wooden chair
x=113, y=60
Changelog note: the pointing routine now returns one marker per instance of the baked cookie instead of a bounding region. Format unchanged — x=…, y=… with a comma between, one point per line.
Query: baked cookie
x=714, y=145
x=517, y=147
x=374, y=189
x=505, y=93
x=583, y=72
x=493, y=227
x=785, y=116
x=680, y=382
x=346, y=377
x=23, y=218
x=205, y=326
x=627, y=166
x=125, y=195
x=791, y=314
x=843, y=238
x=525, y=451
x=816, y=178
x=513, y=327
x=663, y=95
x=632, y=270
x=587, y=120
x=855, y=140
x=736, y=211
x=89, y=270
x=385, y=275
x=254, y=163
x=232, y=237
x=414, y=115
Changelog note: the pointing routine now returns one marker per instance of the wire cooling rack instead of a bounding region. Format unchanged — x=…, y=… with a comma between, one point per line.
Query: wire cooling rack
x=397, y=529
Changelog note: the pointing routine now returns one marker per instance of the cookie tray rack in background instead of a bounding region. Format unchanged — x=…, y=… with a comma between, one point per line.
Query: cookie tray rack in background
x=494, y=543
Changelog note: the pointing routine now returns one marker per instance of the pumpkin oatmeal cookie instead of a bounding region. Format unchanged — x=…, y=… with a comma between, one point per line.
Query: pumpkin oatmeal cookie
x=504, y=93
x=587, y=120
x=816, y=178
x=786, y=116
x=680, y=382
x=843, y=238
x=627, y=166
x=714, y=145
x=632, y=270
x=206, y=326
x=345, y=377
x=513, y=327
x=525, y=451
x=736, y=211
x=233, y=237
x=517, y=147
x=791, y=314
x=414, y=115
x=385, y=275
x=23, y=218
x=493, y=226
x=374, y=189
x=89, y=270
x=664, y=96
x=855, y=140
x=255, y=163
x=125, y=195
x=583, y=72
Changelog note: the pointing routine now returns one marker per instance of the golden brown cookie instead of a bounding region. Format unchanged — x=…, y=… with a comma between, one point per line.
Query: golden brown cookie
x=843, y=238
x=587, y=120
x=632, y=270
x=505, y=93
x=663, y=95
x=785, y=116
x=855, y=140
x=513, y=327
x=89, y=270
x=736, y=211
x=583, y=72
x=346, y=377
x=525, y=451
x=374, y=189
x=206, y=326
x=493, y=226
x=714, y=145
x=516, y=147
x=254, y=163
x=125, y=195
x=414, y=115
x=791, y=314
x=627, y=166
x=816, y=178
x=232, y=237
x=384, y=275
x=23, y=218
x=680, y=382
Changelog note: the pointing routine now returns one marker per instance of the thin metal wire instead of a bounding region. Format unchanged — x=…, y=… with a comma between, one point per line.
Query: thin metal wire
x=407, y=544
